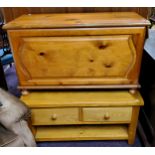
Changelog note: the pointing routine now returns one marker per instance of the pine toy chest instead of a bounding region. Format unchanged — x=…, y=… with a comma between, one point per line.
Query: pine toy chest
x=86, y=55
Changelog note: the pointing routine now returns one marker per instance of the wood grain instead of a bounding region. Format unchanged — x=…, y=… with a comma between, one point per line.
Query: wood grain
x=32, y=128
x=94, y=57
x=102, y=50
x=11, y=13
x=81, y=108
x=65, y=133
x=133, y=125
x=77, y=19
x=110, y=114
x=81, y=99
x=64, y=116
x=83, y=87
x=114, y=65
x=55, y=116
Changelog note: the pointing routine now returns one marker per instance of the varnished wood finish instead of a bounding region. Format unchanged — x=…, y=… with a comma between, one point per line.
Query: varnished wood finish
x=112, y=114
x=55, y=116
x=68, y=116
x=77, y=20
x=84, y=87
x=117, y=73
x=11, y=13
x=82, y=99
x=83, y=62
x=32, y=128
x=133, y=125
x=67, y=133
x=94, y=109
x=94, y=57
x=92, y=50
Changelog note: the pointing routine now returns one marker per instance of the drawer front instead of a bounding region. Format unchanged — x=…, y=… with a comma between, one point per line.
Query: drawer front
x=55, y=116
x=107, y=56
x=114, y=114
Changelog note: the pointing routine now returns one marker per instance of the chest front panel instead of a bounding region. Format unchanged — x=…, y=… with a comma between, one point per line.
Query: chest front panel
x=80, y=57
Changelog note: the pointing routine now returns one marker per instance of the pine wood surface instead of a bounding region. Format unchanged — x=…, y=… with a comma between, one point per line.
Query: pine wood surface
x=81, y=98
x=96, y=110
x=91, y=58
x=83, y=87
x=110, y=114
x=11, y=13
x=53, y=116
x=61, y=116
x=133, y=125
x=67, y=133
x=82, y=50
x=84, y=68
x=77, y=20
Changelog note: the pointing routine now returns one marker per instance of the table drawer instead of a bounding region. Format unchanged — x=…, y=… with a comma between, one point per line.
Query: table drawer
x=109, y=114
x=55, y=116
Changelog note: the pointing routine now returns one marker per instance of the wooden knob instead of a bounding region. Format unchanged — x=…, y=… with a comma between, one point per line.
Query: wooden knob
x=25, y=92
x=132, y=91
x=106, y=116
x=54, y=117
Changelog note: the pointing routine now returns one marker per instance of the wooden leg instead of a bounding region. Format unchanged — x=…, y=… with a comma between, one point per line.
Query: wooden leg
x=133, y=125
x=32, y=128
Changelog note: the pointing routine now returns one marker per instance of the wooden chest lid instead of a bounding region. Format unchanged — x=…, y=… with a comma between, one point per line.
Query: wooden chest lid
x=70, y=20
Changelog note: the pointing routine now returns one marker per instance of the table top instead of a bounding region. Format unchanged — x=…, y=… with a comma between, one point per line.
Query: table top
x=70, y=20
x=81, y=98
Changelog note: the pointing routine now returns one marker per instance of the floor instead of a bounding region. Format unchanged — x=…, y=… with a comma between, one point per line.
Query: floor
x=12, y=82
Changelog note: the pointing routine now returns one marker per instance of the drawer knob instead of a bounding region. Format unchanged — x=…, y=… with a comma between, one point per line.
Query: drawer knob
x=24, y=92
x=106, y=116
x=132, y=91
x=54, y=117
